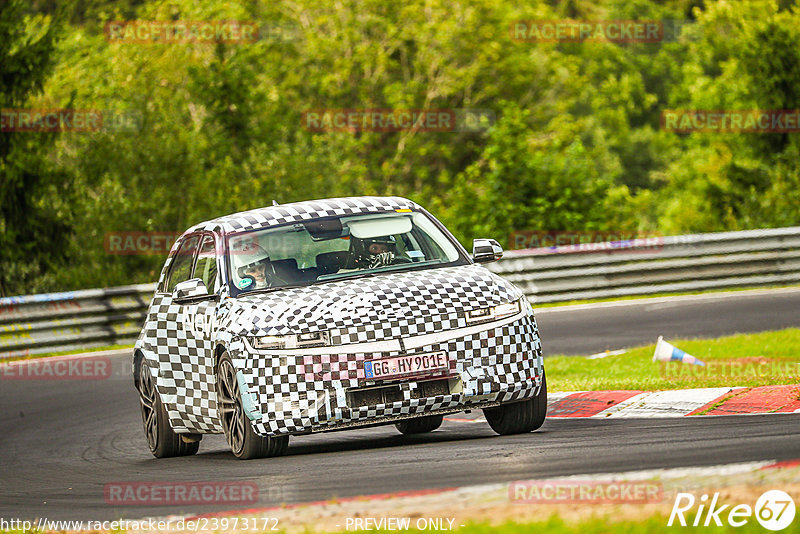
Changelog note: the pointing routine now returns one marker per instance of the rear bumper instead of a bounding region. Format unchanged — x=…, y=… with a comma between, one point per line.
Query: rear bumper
x=298, y=393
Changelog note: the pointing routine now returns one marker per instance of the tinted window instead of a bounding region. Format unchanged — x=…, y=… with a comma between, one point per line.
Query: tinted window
x=206, y=268
x=182, y=263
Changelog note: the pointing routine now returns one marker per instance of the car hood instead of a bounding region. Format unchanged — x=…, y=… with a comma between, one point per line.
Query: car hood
x=410, y=301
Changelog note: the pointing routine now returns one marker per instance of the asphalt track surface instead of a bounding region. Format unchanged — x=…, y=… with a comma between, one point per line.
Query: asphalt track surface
x=62, y=441
x=589, y=329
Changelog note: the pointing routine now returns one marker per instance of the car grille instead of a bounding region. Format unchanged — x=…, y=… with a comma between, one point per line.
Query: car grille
x=431, y=388
x=392, y=393
x=373, y=396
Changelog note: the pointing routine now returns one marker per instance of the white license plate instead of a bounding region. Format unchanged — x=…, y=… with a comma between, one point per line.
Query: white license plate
x=405, y=366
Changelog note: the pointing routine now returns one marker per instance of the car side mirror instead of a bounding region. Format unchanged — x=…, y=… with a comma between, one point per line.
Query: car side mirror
x=486, y=250
x=193, y=290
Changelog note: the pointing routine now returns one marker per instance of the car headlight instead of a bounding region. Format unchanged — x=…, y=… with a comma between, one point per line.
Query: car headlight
x=501, y=311
x=292, y=341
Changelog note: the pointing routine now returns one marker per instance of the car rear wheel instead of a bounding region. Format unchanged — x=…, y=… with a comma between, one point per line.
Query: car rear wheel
x=420, y=425
x=161, y=439
x=243, y=441
x=519, y=417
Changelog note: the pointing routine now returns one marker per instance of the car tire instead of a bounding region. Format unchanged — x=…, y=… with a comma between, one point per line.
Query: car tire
x=242, y=439
x=420, y=425
x=519, y=417
x=161, y=439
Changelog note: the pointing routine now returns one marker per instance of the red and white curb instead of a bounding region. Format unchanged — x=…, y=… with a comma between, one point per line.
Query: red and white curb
x=671, y=403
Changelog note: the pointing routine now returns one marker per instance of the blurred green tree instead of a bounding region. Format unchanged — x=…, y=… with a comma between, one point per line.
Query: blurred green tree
x=35, y=191
x=576, y=145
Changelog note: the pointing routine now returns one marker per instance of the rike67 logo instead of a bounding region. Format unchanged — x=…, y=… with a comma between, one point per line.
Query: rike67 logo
x=774, y=510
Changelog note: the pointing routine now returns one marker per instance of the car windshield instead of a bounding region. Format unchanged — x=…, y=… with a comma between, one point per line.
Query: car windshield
x=335, y=248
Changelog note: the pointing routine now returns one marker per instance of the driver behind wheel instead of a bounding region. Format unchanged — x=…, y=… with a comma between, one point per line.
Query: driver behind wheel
x=380, y=251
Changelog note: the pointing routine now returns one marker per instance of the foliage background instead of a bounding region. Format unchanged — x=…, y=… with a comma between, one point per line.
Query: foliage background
x=577, y=143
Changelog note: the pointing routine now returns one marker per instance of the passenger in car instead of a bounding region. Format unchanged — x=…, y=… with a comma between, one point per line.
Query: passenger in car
x=259, y=267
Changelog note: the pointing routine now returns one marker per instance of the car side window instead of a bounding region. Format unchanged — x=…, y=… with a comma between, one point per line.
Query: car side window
x=182, y=263
x=206, y=267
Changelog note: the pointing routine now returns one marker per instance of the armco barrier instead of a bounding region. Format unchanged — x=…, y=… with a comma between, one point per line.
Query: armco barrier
x=660, y=265
x=36, y=324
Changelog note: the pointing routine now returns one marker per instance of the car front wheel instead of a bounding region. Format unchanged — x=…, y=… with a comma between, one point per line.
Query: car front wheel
x=519, y=417
x=162, y=440
x=242, y=439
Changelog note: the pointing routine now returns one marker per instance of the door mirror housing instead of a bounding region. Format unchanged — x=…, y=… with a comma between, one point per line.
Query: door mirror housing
x=193, y=290
x=486, y=250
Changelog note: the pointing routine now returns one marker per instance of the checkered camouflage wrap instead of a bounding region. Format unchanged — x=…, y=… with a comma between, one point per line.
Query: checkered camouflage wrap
x=379, y=307
x=301, y=393
x=181, y=363
x=387, y=315
x=304, y=211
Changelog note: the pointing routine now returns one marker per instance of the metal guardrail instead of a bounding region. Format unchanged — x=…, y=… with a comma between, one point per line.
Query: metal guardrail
x=656, y=265
x=36, y=324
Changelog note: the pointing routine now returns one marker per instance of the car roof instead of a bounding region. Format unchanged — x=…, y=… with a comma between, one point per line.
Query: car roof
x=266, y=217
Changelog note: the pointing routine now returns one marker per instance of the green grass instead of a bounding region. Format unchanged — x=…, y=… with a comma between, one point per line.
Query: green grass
x=766, y=358
x=67, y=352
x=601, y=525
x=556, y=525
x=655, y=295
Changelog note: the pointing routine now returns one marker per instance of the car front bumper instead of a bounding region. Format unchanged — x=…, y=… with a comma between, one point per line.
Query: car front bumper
x=317, y=390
